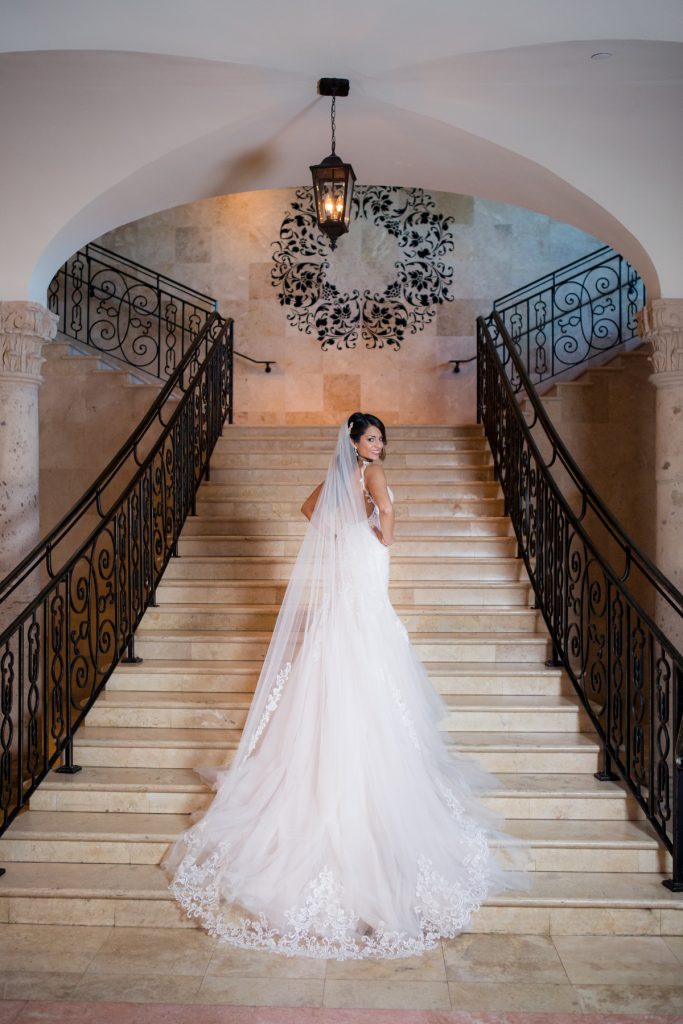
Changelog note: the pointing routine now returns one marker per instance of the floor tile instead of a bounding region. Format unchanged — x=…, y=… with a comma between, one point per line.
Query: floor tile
x=38, y=984
x=623, y=960
x=429, y=967
x=510, y=959
x=387, y=994
x=261, y=991
x=675, y=944
x=148, y=951
x=229, y=962
x=137, y=988
x=49, y=948
x=514, y=998
x=663, y=999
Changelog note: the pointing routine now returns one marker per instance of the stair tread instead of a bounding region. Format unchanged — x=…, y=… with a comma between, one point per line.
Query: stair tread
x=187, y=780
x=433, y=668
x=141, y=881
x=236, y=699
x=228, y=738
x=400, y=609
x=260, y=634
x=105, y=826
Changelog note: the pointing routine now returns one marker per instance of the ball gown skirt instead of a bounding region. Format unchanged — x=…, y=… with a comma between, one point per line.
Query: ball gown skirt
x=349, y=831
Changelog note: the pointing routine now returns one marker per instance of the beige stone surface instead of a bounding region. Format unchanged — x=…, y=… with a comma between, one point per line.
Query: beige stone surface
x=262, y=991
x=515, y=959
x=223, y=246
x=612, y=960
x=387, y=994
x=514, y=997
x=25, y=327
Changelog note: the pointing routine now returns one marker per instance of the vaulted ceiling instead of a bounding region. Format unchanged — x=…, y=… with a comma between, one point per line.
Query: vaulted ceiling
x=111, y=111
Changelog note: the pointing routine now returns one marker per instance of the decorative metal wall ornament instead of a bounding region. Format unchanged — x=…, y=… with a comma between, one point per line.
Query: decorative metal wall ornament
x=407, y=304
x=333, y=180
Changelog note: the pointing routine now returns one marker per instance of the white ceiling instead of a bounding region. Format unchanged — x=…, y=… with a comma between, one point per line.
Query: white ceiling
x=111, y=111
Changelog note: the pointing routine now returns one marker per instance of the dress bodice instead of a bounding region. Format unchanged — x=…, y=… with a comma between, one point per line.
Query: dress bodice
x=373, y=518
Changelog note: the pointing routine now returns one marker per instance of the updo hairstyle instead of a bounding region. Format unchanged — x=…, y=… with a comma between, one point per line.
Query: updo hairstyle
x=358, y=423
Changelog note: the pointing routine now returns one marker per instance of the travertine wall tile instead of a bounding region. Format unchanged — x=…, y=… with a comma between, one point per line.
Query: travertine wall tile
x=224, y=247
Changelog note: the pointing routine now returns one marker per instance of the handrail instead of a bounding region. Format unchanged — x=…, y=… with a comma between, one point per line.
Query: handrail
x=259, y=362
x=60, y=649
x=590, y=499
x=570, y=316
x=627, y=672
x=42, y=552
x=179, y=286
x=555, y=275
x=124, y=309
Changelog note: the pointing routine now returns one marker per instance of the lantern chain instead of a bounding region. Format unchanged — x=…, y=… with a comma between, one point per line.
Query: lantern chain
x=333, y=122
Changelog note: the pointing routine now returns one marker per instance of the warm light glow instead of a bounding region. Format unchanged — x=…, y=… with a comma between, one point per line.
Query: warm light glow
x=333, y=206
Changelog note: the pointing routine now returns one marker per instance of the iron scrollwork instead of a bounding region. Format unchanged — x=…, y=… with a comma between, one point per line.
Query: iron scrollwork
x=628, y=674
x=407, y=304
x=566, y=318
x=117, y=306
x=58, y=653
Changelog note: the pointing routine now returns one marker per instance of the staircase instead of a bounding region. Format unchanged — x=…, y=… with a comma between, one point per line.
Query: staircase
x=88, y=849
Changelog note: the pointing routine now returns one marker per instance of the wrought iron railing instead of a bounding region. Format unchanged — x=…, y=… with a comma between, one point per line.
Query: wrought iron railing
x=574, y=314
x=627, y=672
x=58, y=652
x=126, y=310
x=120, y=307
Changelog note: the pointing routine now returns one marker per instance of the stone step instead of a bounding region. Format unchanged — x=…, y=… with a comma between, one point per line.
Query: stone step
x=137, y=895
x=432, y=618
x=261, y=507
x=528, y=752
x=181, y=791
x=515, y=593
x=430, y=646
x=403, y=569
x=241, y=677
x=325, y=434
x=465, y=712
x=310, y=477
x=91, y=837
x=404, y=493
x=231, y=457
x=448, y=526
x=416, y=547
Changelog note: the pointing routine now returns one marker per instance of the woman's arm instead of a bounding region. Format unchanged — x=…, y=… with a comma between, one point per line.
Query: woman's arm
x=376, y=483
x=311, y=501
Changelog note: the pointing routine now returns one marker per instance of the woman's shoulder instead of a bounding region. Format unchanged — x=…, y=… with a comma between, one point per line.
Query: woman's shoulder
x=374, y=473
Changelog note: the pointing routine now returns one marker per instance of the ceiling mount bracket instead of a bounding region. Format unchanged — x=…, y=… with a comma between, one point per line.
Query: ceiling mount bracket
x=333, y=87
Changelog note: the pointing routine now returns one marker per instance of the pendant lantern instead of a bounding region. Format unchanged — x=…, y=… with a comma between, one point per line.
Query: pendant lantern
x=333, y=180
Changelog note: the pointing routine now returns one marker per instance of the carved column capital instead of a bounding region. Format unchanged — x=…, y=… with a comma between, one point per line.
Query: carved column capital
x=24, y=329
x=661, y=324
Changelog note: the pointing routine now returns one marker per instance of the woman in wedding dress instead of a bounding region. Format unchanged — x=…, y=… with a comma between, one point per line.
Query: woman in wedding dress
x=344, y=827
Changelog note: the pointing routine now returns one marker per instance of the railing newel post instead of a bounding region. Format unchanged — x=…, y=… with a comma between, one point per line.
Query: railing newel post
x=68, y=767
x=131, y=658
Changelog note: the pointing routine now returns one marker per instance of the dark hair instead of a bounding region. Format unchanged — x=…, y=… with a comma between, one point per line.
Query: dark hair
x=359, y=423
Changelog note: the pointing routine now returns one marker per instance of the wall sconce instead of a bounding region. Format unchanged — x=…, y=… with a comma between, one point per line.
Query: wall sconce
x=333, y=180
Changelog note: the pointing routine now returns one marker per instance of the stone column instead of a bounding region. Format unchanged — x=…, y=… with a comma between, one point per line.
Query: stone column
x=661, y=324
x=24, y=329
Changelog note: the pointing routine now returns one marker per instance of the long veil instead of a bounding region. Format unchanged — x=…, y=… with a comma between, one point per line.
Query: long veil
x=326, y=569
x=345, y=827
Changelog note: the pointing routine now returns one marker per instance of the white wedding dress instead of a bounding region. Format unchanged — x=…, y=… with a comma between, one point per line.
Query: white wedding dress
x=344, y=828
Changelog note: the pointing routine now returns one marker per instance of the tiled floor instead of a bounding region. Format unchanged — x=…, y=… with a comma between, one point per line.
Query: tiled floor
x=513, y=973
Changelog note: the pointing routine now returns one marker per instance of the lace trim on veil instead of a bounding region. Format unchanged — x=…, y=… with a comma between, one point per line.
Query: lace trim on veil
x=319, y=925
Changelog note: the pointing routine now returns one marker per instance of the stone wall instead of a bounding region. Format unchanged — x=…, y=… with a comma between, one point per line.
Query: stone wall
x=468, y=251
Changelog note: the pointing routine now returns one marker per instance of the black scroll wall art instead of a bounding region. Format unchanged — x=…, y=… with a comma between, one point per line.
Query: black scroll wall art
x=409, y=302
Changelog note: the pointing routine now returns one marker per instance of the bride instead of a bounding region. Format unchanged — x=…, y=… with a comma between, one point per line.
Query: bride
x=344, y=828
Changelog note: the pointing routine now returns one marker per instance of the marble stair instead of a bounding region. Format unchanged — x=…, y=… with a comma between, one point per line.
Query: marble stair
x=89, y=847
